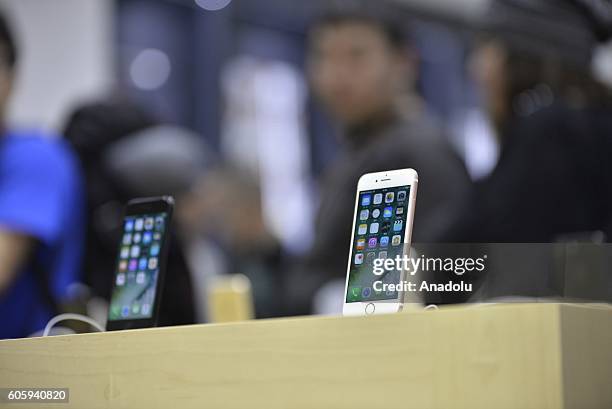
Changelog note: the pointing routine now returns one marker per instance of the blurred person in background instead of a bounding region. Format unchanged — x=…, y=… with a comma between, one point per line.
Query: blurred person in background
x=553, y=121
x=125, y=153
x=41, y=216
x=225, y=209
x=363, y=72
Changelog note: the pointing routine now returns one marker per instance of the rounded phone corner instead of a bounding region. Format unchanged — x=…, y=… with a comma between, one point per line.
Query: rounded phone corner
x=363, y=179
x=413, y=173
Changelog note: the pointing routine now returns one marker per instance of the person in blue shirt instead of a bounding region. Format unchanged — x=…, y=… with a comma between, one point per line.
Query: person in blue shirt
x=41, y=217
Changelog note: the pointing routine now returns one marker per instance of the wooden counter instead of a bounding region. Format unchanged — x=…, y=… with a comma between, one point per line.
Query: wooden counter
x=498, y=356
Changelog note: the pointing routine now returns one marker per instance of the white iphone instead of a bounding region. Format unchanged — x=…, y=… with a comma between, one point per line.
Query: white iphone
x=382, y=229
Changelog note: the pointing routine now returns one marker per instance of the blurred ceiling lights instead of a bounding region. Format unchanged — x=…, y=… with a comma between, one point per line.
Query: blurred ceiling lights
x=213, y=5
x=150, y=69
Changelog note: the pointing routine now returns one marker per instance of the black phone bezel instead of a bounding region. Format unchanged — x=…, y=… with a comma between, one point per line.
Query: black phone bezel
x=135, y=207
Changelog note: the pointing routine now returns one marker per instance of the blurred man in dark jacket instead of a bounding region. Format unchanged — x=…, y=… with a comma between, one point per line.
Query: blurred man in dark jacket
x=362, y=72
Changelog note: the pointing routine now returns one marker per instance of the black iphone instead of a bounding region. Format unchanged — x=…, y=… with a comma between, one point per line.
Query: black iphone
x=141, y=263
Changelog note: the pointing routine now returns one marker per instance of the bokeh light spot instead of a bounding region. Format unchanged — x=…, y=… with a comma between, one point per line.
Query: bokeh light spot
x=213, y=5
x=150, y=69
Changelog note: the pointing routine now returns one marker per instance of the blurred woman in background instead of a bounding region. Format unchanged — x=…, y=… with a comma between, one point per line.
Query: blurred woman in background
x=553, y=120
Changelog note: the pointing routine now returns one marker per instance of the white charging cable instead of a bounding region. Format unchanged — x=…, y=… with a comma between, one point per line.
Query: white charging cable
x=70, y=316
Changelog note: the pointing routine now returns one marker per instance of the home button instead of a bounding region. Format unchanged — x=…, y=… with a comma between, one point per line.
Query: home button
x=370, y=308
